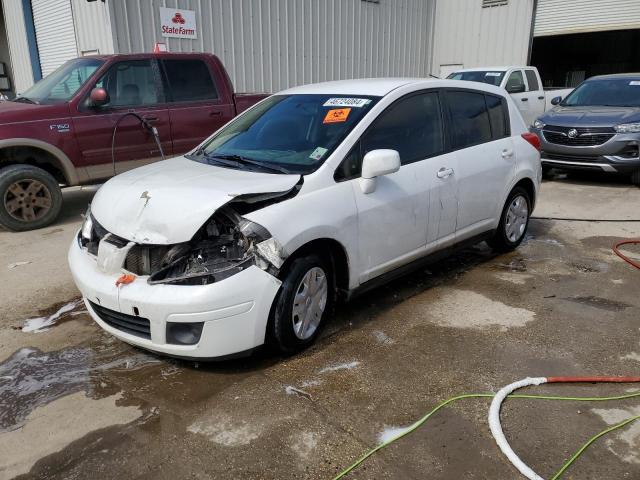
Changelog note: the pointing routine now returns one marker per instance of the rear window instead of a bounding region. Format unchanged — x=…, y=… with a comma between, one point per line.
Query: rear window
x=469, y=119
x=484, y=76
x=189, y=80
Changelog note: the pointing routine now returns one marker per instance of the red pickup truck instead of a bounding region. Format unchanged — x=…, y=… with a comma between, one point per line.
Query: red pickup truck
x=60, y=132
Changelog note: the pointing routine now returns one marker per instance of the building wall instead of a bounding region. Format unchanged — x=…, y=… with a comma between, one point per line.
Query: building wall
x=558, y=17
x=93, y=27
x=268, y=45
x=4, y=49
x=469, y=36
x=22, y=73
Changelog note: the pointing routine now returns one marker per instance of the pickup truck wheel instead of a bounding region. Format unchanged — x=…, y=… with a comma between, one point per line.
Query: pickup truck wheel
x=635, y=177
x=30, y=198
x=513, y=222
x=304, y=301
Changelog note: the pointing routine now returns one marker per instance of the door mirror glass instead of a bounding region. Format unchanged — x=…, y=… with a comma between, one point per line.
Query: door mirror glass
x=515, y=88
x=556, y=100
x=98, y=97
x=381, y=162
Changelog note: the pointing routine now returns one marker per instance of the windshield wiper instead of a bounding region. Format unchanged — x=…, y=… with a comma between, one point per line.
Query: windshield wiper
x=248, y=161
x=25, y=100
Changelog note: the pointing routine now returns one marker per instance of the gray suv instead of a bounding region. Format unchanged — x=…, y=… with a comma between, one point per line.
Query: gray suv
x=596, y=127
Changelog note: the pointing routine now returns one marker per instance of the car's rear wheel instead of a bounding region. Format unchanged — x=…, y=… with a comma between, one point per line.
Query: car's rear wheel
x=513, y=222
x=30, y=198
x=304, y=301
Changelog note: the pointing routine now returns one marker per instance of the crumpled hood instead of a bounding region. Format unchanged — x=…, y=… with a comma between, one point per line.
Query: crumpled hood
x=167, y=202
x=592, y=116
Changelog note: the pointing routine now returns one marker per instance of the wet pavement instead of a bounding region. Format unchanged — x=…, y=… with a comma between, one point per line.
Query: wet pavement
x=77, y=403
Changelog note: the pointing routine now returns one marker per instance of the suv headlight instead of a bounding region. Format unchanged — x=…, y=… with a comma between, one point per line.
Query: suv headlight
x=539, y=124
x=628, y=128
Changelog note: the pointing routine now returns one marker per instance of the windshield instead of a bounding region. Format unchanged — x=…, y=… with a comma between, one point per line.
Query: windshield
x=618, y=92
x=484, y=76
x=286, y=133
x=62, y=84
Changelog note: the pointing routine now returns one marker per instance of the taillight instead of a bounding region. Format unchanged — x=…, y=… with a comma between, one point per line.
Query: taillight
x=533, y=139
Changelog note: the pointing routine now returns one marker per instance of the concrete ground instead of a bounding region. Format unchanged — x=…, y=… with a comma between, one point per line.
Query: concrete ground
x=76, y=403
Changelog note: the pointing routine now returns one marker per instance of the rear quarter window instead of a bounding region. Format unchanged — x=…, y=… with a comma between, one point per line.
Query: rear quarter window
x=498, y=116
x=189, y=80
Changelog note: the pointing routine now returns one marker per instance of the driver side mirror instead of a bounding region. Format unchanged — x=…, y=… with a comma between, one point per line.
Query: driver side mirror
x=378, y=163
x=556, y=100
x=515, y=88
x=98, y=98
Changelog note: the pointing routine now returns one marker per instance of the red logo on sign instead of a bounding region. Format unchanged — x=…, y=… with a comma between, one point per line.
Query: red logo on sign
x=177, y=18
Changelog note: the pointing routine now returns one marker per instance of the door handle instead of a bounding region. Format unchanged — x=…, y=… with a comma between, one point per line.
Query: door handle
x=524, y=99
x=444, y=172
x=215, y=113
x=507, y=153
x=540, y=98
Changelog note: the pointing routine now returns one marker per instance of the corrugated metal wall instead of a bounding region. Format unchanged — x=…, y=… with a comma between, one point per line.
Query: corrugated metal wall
x=93, y=27
x=55, y=33
x=557, y=17
x=268, y=45
x=472, y=36
x=22, y=74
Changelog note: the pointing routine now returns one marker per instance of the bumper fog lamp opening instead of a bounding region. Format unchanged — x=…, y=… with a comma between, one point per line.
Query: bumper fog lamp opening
x=184, y=333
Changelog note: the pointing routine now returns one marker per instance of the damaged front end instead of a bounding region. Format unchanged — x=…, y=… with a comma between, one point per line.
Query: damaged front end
x=225, y=245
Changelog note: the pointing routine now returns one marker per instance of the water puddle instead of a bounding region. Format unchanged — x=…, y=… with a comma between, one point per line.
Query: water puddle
x=66, y=311
x=31, y=378
x=601, y=303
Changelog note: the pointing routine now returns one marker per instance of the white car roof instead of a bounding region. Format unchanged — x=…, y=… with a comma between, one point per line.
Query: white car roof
x=378, y=87
x=491, y=69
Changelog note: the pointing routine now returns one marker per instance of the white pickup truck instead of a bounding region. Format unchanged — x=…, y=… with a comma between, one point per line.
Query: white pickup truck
x=523, y=83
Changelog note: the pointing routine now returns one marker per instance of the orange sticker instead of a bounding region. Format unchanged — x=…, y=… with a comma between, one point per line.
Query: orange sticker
x=337, y=115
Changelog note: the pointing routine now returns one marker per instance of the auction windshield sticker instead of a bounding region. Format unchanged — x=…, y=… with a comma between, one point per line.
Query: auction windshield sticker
x=347, y=102
x=492, y=74
x=337, y=115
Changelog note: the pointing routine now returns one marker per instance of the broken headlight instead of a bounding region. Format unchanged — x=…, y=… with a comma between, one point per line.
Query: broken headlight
x=224, y=246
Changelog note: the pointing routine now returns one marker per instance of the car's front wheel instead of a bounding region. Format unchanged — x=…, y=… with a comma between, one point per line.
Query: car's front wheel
x=304, y=301
x=635, y=177
x=30, y=198
x=513, y=222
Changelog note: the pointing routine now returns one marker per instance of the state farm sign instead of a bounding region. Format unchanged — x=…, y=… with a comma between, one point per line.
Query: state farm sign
x=178, y=23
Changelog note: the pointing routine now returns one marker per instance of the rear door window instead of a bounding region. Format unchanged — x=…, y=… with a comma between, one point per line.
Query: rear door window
x=189, y=80
x=532, y=80
x=469, y=118
x=498, y=116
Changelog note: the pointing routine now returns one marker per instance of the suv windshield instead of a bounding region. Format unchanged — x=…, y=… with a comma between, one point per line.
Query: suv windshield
x=484, y=76
x=62, y=84
x=286, y=133
x=618, y=92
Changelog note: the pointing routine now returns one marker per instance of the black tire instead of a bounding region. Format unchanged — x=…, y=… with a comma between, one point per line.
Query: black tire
x=42, y=201
x=281, y=330
x=501, y=240
x=635, y=178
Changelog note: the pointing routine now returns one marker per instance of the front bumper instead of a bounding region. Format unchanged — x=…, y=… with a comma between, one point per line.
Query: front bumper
x=234, y=311
x=619, y=154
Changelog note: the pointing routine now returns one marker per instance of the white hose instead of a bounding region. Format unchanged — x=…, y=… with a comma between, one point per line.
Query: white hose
x=496, y=428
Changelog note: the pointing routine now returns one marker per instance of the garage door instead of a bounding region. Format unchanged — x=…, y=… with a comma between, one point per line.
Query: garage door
x=55, y=34
x=559, y=17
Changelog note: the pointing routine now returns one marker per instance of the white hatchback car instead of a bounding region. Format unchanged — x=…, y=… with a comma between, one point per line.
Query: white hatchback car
x=312, y=195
